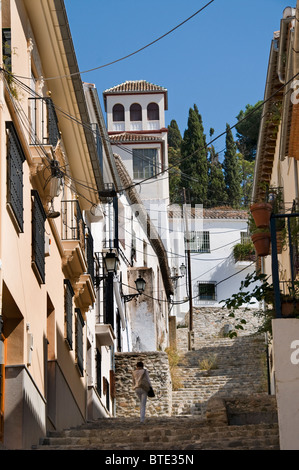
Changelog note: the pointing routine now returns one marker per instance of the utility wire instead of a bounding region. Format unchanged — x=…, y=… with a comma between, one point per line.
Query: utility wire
x=132, y=53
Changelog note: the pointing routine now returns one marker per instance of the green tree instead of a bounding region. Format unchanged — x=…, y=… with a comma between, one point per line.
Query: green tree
x=216, y=185
x=232, y=173
x=247, y=170
x=248, y=130
x=194, y=161
x=174, y=157
x=174, y=135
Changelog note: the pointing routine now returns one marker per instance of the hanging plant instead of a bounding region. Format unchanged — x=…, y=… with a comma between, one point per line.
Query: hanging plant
x=261, y=240
x=261, y=213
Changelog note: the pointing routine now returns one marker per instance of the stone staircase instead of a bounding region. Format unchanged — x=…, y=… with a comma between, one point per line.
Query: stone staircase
x=224, y=406
x=168, y=434
x=219, y=367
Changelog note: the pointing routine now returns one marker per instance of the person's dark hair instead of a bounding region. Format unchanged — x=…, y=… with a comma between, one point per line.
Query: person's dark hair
x=139, y=364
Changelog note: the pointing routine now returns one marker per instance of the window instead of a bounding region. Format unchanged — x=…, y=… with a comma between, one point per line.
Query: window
x=15, y=160
x=144, y=163
x=79, y=340
x=118, y=112
x=53, y=130
x=99, y=371
x=6, y=48
x=135, y=112
x=199, y=242
x=38, y=236
x=206, y=291
x=153, y=112
x=68, y=310
x=118, y=331
x=245, y=237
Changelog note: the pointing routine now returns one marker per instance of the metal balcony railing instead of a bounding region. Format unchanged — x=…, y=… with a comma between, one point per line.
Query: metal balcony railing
x=74, y=228
x=44, y=122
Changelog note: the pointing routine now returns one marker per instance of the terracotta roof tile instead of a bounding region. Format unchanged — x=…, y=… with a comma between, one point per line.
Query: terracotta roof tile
x=127, y=137
x=141, y=86
x=214, y=213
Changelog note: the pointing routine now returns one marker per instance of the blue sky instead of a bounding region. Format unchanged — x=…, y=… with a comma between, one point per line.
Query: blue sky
x=218, y=60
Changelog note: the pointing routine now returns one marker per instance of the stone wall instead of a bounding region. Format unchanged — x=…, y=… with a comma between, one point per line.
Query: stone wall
x=209, y=322
x=127, y=404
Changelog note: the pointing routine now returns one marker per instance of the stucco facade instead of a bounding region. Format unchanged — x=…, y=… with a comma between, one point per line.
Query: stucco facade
x=276, y=168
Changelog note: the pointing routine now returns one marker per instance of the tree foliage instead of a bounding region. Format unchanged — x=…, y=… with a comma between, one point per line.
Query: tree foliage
x=231, y=167
x=216, y=184
x=174, y=157
x=248, y=130
x=194, y=161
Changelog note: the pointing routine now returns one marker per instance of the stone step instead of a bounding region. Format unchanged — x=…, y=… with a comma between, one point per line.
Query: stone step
x=158, y=434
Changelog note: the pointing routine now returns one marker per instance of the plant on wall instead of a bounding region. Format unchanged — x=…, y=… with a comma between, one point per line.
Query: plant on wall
x=244, y=251
x=261, y=291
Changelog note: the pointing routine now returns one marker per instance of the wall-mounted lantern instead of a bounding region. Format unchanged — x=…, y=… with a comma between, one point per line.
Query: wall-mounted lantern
x=140, y=287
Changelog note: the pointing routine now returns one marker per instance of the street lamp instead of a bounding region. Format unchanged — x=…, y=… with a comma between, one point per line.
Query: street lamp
x=176, y=276
x=110, y=262
x=140, y=287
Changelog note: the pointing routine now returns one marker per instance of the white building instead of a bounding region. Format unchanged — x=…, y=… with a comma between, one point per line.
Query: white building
x=122, y=320
x=215, y=272
x=136, y=126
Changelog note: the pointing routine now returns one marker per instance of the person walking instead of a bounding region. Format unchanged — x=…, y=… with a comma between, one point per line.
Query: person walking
x=141, y=385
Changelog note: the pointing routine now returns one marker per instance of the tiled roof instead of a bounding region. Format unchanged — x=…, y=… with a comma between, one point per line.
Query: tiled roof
x=224, y=213
x=127, y=137
x=140, y=86
x=214, y=213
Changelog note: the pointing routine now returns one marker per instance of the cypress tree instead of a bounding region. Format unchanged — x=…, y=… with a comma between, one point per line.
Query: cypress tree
x=216, y=185
x=232, y=174
x=194, y=161
x=174, y=135
x=174, y=156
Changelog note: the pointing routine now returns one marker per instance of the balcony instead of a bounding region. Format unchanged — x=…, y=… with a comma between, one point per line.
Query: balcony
x=78, y=262
x=44, y=123
x=244, y=253
x=104, y=335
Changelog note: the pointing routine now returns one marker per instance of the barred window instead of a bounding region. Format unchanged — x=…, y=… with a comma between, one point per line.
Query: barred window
x=199, y=242
x=206, y=291
x=245, y=237
x=79, y=340
x=15, y=160
x=38, y=236
x=6, y=48
x=68, y=309
x=53, y=130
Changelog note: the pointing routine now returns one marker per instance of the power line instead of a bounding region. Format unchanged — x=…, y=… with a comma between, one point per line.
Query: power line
x=132, y=53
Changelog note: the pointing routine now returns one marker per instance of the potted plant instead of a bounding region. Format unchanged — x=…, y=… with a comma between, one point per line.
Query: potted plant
x=290, y=301
x=261, y=237
x=244, y=251
x=261, y=213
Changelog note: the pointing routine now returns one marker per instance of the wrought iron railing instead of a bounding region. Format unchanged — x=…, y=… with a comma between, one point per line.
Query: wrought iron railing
x=74, y=228
x=47, y=118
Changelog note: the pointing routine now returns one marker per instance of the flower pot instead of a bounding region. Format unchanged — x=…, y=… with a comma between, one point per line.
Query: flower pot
x=261, y=213
x=261, y=241
x=289, y=308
